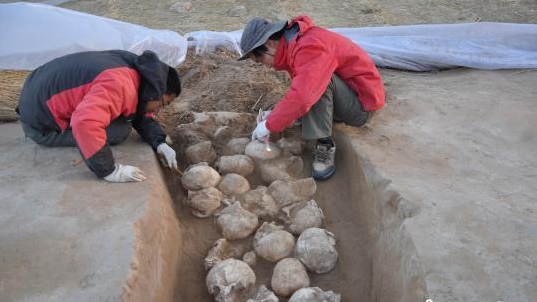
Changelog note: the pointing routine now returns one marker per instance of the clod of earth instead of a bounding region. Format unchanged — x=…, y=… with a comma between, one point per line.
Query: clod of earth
x=259, y=202
x=250, y=258
x=239, y=164
x=235, y=222
x=263, y=294
x=316, y=249
x=237, y=11
x=200, y=176
x=289, y=276
x=288, y=192
x=301, y=216
x=235, y=146
x=314, y=294
x=200, y=152
x=233, y=185
x=231, y=280
x=272, y=243
x=224, y=249
x=205, y=202
x=181, y=7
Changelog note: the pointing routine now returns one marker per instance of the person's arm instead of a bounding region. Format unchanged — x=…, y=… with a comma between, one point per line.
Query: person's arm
x=314, y=66
x=103, y=103
x=151, y=131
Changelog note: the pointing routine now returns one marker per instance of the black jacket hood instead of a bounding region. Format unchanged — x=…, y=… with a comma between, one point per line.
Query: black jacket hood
x=154, y=75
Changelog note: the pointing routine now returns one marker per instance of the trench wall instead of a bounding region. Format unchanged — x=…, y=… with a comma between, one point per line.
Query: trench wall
x=397, y=275
x=154, y=265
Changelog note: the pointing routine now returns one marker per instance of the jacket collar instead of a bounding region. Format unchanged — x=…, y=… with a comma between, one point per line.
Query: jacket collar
x=281, y=56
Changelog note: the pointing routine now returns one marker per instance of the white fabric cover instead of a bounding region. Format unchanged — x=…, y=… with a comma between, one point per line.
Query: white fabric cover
x=32, y=34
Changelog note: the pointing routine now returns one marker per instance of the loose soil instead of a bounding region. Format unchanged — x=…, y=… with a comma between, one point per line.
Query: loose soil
x=218, y=82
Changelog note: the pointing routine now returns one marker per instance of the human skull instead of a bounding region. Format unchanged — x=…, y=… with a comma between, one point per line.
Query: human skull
x=291, y=146
x=233, y=185
x=264, y=295
x=289, y=276
x=288, y=192
x=200, y=152
x=250, y=258
x=235, y=222
x=200, y=176
x=231, y=280
x=314, y=294
x=224, y=249
x=281, y=168
x=222, y=135
x=259, y=202
x=302, y=215
x=259, y=151
x=239, y=164
x=316, y=249
x=205, y=202
x=272, y=243
x=236, y=146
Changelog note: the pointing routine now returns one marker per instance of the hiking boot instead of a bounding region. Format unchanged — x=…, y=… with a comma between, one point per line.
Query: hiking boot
x=323, y=163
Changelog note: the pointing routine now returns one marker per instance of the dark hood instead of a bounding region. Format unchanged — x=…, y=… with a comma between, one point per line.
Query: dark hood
x=153, y=74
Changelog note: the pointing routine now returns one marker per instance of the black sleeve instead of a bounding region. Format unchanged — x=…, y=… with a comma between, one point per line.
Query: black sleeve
x=102, y=162
x=150, y=130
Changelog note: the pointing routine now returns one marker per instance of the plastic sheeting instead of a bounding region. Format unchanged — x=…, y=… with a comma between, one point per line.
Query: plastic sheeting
x=424, y=47
x=33, y=34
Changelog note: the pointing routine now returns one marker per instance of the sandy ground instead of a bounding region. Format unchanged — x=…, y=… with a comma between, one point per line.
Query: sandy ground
x=68, y=236
x=213, y=15
x=459, y=143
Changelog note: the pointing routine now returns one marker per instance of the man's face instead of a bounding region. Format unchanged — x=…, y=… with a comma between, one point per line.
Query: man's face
x=155, y=105
x=266, y=58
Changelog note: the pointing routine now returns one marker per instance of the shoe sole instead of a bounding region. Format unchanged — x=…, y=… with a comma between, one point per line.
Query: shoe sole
x=324, y=176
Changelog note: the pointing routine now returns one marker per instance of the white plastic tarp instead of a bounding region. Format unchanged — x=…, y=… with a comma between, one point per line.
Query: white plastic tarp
x=32, y=34
x=424, y=47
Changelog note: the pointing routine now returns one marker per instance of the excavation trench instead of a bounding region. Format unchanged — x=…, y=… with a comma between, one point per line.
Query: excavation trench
x=377, y=259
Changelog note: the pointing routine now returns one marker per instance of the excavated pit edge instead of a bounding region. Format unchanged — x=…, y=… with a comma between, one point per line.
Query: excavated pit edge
x=397, y=274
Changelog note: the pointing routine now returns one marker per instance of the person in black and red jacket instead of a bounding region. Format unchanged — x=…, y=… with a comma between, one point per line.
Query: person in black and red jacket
x=93, y=99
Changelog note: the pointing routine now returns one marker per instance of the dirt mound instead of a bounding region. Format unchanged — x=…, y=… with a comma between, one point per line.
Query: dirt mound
x=218, y=82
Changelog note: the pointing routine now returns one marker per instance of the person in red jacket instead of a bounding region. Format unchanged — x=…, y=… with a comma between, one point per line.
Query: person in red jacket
x=93, y=99
x=333, y=79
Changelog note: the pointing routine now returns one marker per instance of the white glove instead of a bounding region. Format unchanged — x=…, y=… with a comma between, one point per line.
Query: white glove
x=123, y=173
x=260, y=132
x=168, y=155
x=264, y=115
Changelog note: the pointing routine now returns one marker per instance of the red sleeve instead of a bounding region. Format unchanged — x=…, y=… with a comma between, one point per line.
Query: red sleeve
x=313, y=68
x=112, y=93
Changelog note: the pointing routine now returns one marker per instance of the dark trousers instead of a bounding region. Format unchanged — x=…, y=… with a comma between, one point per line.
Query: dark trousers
x=116, y=133
x=338, y=103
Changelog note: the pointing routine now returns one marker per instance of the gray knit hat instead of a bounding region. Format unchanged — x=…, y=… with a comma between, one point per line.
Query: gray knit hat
x=256, y=33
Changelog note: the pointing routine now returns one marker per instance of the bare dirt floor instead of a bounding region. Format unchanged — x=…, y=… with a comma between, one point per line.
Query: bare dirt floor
x=217, y=82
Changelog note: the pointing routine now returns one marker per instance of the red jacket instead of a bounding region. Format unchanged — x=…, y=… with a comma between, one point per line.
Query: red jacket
x=86, y=91
x=311, y=58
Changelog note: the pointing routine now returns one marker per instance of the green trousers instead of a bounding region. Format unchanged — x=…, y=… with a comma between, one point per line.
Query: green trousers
x=338, y=103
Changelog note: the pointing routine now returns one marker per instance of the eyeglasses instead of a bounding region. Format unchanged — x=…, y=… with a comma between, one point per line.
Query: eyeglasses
x=258, y=55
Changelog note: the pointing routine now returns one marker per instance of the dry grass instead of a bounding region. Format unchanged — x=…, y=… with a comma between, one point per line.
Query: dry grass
x=10, y=87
